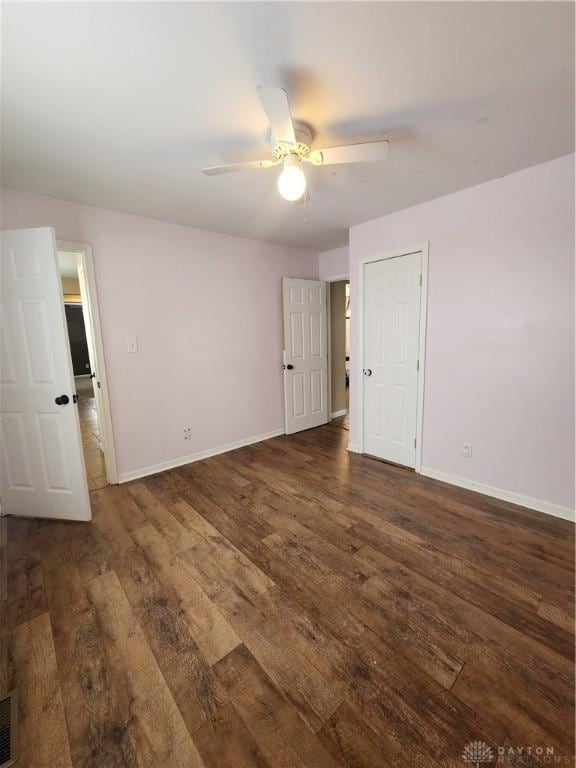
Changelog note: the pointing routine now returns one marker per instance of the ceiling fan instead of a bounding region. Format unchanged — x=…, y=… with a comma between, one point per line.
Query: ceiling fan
x=291, y=147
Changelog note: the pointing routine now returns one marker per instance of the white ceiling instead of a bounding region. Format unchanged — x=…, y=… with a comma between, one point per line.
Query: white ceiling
x=121, y=104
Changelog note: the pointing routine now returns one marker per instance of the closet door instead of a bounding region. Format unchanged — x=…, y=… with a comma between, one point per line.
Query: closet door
x=390, y=373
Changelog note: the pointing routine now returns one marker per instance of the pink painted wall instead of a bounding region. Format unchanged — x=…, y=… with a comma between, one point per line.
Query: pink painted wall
x=333, y=263
x=500, y=341
x=206, y=309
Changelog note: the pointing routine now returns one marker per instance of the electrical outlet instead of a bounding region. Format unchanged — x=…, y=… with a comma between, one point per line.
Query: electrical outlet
x=132, y=344
x=188, y=433
x=467, y=450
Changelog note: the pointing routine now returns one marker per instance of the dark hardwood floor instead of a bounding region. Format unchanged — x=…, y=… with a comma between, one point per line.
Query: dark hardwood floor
x=287, y=605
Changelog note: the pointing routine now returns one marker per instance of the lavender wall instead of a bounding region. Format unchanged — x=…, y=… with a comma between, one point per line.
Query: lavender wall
x=333, y=263
x=206, y=309
x=500, y=340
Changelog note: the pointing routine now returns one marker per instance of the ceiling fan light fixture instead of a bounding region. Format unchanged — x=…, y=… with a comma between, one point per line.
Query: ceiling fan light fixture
x=292, y=181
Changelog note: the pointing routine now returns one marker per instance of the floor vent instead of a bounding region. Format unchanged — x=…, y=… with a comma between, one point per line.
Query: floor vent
x=8, y=722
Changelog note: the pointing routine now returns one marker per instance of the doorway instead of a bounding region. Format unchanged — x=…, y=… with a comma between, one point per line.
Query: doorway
x=393, y=318
x=81, y=310
x=305, y=353
x=339, y=292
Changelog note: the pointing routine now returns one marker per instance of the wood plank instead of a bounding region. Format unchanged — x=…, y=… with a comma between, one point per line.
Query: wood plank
x=529, y=713
x=359, y=666
x=562, y=617
x=33, y=671
x=158, y=515
x=403, y=503
x=351, y=740
x=100, y=724
x=25, y=596
x=423, y=649
x=213, y=634
x=281, y=734
x=466, y=629
x=225, y=742
x=299, y=680
x=446, y=587
x=160, y=732
x=159, y=612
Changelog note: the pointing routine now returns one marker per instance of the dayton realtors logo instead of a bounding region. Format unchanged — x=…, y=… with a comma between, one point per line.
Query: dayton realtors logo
x=477, y=753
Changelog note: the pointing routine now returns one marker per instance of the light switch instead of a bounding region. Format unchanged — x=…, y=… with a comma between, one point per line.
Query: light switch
x=132, y=345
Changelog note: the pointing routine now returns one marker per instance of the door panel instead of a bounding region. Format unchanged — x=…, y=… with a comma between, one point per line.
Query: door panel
x=316, y=391
x=54, y=461
x=18, y=473
x=316, y=319
x=298, y=394
x=37, y=344
x=42, y=465
x=391, y=342
x=297, y=335
x=305, y=384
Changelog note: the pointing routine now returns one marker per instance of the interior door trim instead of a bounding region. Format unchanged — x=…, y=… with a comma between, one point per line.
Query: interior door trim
x=360, y=365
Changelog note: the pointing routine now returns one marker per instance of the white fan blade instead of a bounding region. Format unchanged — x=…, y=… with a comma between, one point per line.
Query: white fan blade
x=232, y=167
x=370, y=152
x=275, y=103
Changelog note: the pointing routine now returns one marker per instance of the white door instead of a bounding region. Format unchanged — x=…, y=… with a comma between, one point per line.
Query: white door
x=305, y=353
x=42, y=471
x=391, y=337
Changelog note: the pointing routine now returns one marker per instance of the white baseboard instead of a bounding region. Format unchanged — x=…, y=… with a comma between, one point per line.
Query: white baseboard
x=337, y=414
x=125, y=477
x=499, y=493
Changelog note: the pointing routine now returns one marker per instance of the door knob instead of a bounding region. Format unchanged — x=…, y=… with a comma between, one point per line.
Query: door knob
x=367, y=372
x=62, y=400
x=289, y=367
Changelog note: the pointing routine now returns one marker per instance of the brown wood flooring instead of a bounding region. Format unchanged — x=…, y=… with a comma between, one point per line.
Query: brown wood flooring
x=289, y=605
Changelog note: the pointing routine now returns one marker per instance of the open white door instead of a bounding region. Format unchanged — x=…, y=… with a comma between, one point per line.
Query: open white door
x=42, y=471
x=305, y=354
x=391, y=345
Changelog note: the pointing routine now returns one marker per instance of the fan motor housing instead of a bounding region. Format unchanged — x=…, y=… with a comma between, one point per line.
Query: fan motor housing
x=304, y=138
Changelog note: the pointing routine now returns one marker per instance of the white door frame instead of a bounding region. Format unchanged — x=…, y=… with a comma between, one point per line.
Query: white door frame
x=332, y=279
x=107, y=436
x=423, y=249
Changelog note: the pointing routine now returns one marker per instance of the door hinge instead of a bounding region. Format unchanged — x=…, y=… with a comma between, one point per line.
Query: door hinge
x=417, y=365
x=420, y=278
x=414, y=442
